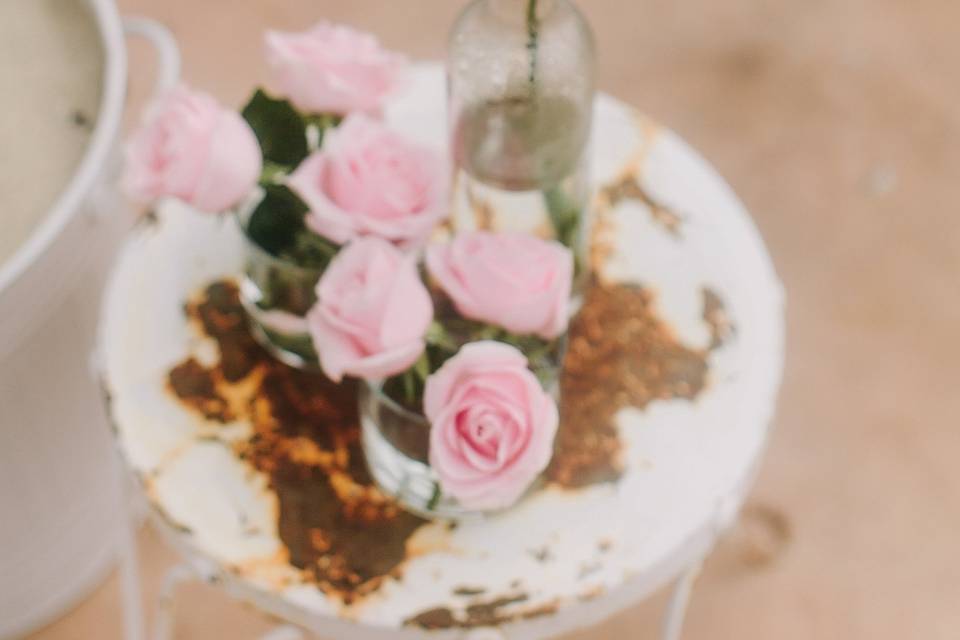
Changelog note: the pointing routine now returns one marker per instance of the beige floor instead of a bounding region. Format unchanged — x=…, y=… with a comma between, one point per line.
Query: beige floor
x=838, y=121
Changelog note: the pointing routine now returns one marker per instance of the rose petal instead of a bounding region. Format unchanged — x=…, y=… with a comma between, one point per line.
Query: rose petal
x=332, y=69
x=369, y=180
x=372, y=312
x=234, y=165
x=485, y=353
x=492, y=425
x=408, y=310
x=512, y=280
x=336, y=349
x=387, y=363
x=191, y=148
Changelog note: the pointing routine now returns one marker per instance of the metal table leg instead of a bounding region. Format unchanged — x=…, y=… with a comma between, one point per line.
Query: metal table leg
x=677, y=607
x=166, y=612
x=131, y=594
x=166, y=608
x=285, y=632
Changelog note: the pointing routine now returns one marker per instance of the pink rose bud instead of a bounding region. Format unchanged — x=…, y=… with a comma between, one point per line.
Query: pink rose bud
x=491, y=425
x=372, y=312
x=370, y=181
x=332, y=69
x=512, y=280
x=191, y=148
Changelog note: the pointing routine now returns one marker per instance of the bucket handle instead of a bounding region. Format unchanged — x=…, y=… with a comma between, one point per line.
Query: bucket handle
x=168, y=54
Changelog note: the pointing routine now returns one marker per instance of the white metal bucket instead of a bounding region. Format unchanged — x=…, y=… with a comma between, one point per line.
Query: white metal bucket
x=59, y=492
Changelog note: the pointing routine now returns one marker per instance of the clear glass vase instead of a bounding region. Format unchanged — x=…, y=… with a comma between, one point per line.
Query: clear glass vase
x=396, y=444
x=521, y=89
x=277, y=292
x=396, y=438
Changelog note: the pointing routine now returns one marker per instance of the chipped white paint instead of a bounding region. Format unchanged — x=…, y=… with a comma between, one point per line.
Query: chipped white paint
x=588, y=552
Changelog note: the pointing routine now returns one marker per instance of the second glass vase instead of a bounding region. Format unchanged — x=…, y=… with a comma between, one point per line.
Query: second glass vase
x=521, y=90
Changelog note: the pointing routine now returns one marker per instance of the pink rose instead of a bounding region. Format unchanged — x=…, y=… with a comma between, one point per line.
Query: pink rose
x=191, y=148
x=491, y=425
x=372, y=312
x=332, y=69
x=369, y=180
x=512, y=280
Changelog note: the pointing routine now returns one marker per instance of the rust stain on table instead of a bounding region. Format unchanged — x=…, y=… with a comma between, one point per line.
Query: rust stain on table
x=620, y=354
x=339, y=530
x=479, y=614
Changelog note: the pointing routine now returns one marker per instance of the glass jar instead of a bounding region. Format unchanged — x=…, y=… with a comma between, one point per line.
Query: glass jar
x=396, y=437
x=396, y=444
x=521, y=90
x=276, y=291
x=277, y=294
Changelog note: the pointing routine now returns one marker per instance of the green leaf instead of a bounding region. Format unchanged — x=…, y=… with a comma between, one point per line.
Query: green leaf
x=277, y=220
x=564, y=215
x=279, y=128
x=324, y=121
x=310, y=250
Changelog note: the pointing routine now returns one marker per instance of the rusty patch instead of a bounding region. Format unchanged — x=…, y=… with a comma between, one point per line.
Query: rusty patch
x=149, y=219
x=338, y=529
x=716, y=316
x=483, y=214
x=487, y=614
x=603, y=232
x=542, y=555
x=628, y=187
x=196, y=386
x=592, y=593
x=479, y=614
x=432, y=619
x=620, y=354
x=588, y=569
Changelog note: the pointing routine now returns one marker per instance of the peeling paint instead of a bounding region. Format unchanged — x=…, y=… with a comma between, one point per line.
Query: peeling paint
x=620, y=354
x=265, y=479
x=480, y=614
x=338, y=529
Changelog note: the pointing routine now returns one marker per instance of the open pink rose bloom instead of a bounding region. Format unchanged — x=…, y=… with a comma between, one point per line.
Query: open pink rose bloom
x=368, y=180
x=191, y=148
x=372, y=312
x=492, y=425
x=512, y=280
x=332, y=69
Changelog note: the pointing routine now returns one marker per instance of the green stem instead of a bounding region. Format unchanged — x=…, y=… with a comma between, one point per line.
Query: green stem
x=435, y=498
x=533, y=35
x=272, y=171
x=409, y=386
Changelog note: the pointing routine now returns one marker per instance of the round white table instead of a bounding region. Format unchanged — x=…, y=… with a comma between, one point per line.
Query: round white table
x=254, y=473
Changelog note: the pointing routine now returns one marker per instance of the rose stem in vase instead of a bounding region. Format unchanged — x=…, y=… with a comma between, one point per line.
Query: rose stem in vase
x=533, y=28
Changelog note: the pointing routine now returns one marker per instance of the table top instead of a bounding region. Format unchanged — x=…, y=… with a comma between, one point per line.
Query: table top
x=254, y=468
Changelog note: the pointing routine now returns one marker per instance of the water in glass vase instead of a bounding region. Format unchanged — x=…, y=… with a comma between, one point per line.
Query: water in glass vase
x=522, y=164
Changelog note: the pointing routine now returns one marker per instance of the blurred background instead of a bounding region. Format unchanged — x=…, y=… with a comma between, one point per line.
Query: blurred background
x=838, y=123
